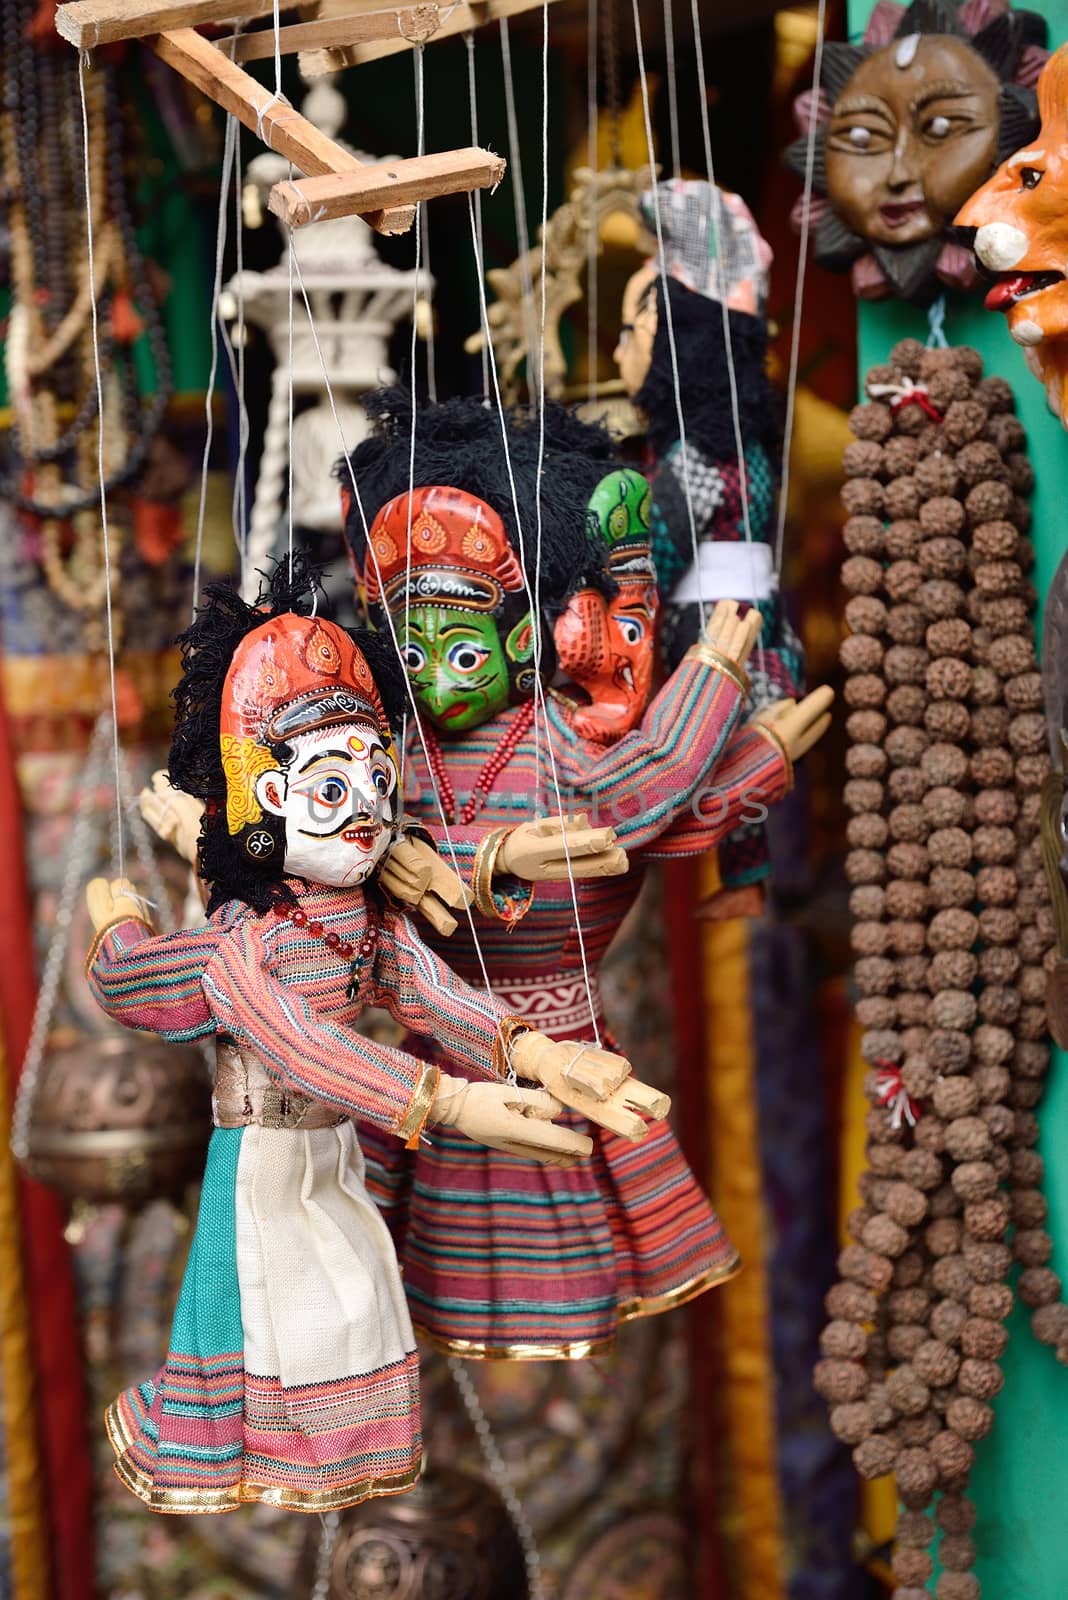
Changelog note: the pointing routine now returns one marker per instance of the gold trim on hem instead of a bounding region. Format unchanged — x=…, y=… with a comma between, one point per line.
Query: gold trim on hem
x=411, y=1124
x=582, y=1350
x=101, y=934
x=214, y=1502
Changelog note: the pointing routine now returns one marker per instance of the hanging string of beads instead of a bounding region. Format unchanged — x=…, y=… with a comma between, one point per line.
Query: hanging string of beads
x=951, y=931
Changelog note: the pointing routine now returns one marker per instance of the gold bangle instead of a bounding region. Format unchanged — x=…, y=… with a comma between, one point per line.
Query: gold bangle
x=482, y=872
x=775, y=738
x=413, y=1120
x=101, y=934
x=710, y=657
x=508, y=1031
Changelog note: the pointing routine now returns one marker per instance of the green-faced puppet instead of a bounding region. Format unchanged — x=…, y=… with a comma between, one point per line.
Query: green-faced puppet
x=455, y=592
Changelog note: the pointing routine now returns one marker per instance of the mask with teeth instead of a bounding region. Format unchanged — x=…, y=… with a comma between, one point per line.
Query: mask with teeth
x=605, y=643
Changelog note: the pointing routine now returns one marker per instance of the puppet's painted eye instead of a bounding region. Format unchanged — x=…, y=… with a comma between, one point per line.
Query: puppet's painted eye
x=632, y=630
x=1031, y=177
x=939, y=127
x=860, y=138
x=414, y=658
x=466, y=657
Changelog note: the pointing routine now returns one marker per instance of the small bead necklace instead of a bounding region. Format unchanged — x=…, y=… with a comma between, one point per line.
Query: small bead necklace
x=355, y=954
x=491, y=771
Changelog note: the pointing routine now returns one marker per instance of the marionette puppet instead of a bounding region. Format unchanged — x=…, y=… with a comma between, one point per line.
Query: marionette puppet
x=712, y=253
x=546, y=1269
x=1022, y=239
x=946, y=769
x=910, y=122
x=291, y=1375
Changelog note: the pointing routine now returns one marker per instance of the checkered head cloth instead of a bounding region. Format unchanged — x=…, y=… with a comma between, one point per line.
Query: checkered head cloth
x=711, y=242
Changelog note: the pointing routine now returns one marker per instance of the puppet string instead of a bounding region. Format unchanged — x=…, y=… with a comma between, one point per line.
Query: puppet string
x=535, y=619
x=472, y=99
x=936, y=323
x=289, y=458
x=239, y=503
x=672, y=88
x=330, y=1522
x=539, y=470
x=593, y=235
x=684, y=455
x=799, y=287
x=229, y=145
x=420, y=106
x=515, y=170
x=728, y=342
x=499, y=1474
x=416, y=720
x=423, y=221
x=120, y=853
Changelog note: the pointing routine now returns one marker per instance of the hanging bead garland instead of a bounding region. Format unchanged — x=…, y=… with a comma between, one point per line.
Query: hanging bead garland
x=951, y=929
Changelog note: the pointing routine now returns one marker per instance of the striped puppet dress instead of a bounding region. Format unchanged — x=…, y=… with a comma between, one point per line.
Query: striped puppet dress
x=291, y=1376
x=504, y=1258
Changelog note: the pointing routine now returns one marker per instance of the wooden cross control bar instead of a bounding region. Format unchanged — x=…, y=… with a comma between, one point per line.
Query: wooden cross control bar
x=336, y=184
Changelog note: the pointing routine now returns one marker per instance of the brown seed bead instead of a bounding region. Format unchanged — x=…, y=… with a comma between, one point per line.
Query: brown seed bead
x=947, y=678
x=996, y=395
x=1020, y=514
x=865, y=866
x=866, y=761
x=996, y=885
x=1027, y=733
x=1049, y=1324
x=902, y=539
x=1032, y=770
x=981, y=1380
x=909, y=822
x=974, y=1180
x=866, y=727
x=991, y=1045
x=950, y=847
x=862, y=794
x=923, y=1169
x=867, y=902
x=1021, y=473
x=907, y=939
x=957, y=1586
x=1032, y=1246
x=991, y=1083
x=884, y=1236
x=863, y=459
x=912, y=1007
x=1029, y=1208
x=948, y=1051
x=901, y=456
x=874, y=974
x=1024, y=692
x=946, y=382
x=951, y=888
x=997, y=577
x=937, y=475
x=999, y=1119
x=862, y=1266
x=981, y=460
x=986, y=1219
x=849, y=1302
x=1031, y=1060
x=911, y=1568
x=863, y=497
x=883, y=1044
x=942, y=1237
x=955, y=1097
x=985, y=687
x=900, y=498
x=992, y=768
x=861, y=575
x=952, y=969
x=993, y=1300
x=906, y=746
x=902, y=581
x=876, y=1011
x=905, y=785
x=946, y=1321
x=874, y=1458
x=968, y=1138
x=998, y=925
x=904, y=898
x=952, y=929
x=865, y=691
x=983, y=1339
x=994, y=846
x=871, y=421
x=916, y=1476
x=852, y=1422
x=942, y=557
x=1013, y=653
x=1007, y=614
x=866, y=832
x=937, y=598
x=1000, y=1006
x=987, y=502
x=1038, y=1286
x=915, y=1530
x=1007, y=433
x=860, y=652
x=843, y=1341
x=910, y=969
x=906, y=704
x=917, y=1079
x=908, y=861
x=945, y=1202
x=971, y=1419
x=905, y=623
x=989, y=725
x=904, y=1339
x=995, y=541
x=868, y=938
x=952, y=1455
x=839, y=1381
x=914, y=1433
x=987, y=1263
x=955, y=1514
x=864, y=613
x=905, y=1205
x=1026, y=1095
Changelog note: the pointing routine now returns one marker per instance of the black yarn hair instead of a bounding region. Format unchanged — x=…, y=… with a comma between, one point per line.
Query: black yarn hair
x=195, y=766
x=910, y=269
x=458, y=443
x=704, y=376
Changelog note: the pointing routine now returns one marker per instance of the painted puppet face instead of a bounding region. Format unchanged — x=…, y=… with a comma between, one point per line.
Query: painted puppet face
x=913, y=133
x=605, y=646
x=634, y=353
x=1021, y=217
x=337, y=798
x=459, y=667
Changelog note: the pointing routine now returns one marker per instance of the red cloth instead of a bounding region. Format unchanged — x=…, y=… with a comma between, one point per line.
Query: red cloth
x=53, y=1302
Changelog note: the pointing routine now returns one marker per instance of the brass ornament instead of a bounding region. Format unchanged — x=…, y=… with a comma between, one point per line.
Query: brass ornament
x=449, y=1537
x=120, y=1119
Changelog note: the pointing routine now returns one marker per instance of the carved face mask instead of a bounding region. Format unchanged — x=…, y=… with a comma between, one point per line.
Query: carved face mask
x=459, y=668
x=454, y=588
x=606, y=645
x=337, y=799
x=912, y=134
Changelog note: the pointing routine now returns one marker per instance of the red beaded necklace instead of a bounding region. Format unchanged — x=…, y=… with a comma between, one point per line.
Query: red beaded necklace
x=483, y=785
x=356, y=954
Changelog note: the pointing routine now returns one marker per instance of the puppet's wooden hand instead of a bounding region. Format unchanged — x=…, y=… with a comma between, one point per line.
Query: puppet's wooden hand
x=506, y=1117
x=730, y=634
x=596, y=1082
x=798, y=725
x=113, y=902
x=539, y=852
x=416, y=875
x=173, y=816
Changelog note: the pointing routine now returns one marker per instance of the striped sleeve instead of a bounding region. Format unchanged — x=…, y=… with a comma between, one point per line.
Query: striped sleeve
x=152, y=982
x=307, y=1051
x=420, y=990
x=640, y=785
x=751, y=777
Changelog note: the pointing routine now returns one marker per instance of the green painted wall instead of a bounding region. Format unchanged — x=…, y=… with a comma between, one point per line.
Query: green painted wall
x=1021, y=1477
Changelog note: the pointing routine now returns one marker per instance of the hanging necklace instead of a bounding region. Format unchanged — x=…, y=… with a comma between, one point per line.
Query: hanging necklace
x=356, y=955
x=491, y=771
